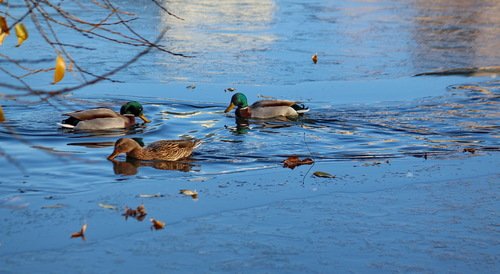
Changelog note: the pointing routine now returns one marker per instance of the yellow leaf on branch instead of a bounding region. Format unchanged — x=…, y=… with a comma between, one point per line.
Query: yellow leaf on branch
x=2, y=118
x=4, y=29
x=59, y=70
x=2, y=37
x=21, y=33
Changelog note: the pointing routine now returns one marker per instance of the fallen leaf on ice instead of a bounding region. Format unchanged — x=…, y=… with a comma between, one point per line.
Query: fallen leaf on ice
x=315, y=58
x=157, y=224
x=141, y=210
x=188, y=192
x=138, y=213
x=158, y=195
x=53, y=206
x=80, y=233
x=322, y=174
x=129, y=213
x=106, y=206
x=294, y=161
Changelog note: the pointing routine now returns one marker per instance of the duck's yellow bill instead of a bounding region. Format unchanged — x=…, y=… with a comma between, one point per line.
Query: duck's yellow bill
x=146, y=120
x=228, y=109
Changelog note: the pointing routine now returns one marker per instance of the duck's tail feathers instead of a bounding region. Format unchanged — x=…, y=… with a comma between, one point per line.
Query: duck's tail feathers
x=65, y=125
x=300, y=109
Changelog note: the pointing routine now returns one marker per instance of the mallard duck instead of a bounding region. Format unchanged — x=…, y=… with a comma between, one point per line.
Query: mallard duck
x=165, y=150
x=104, y=118
x=265, y=109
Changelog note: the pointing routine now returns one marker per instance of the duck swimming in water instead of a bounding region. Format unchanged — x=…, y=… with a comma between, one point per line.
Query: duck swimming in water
x=165, y=150
x=105, y=118
x=265, y=109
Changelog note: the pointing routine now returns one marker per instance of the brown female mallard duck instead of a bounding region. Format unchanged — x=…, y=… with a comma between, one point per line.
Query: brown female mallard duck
x=104, y=118
x=265, y=109
x=165, y=150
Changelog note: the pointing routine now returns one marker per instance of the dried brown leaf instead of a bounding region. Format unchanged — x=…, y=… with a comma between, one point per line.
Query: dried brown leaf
x=157, y=224
x=139, y=213
x=315, y=58
x=294, y=161
x=4, y=28
x=80, y=233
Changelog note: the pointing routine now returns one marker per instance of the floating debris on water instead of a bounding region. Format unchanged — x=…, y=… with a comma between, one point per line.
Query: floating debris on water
x=158, y=195
x=139, y=213
x=80, y=233
x=315, y=58
x=322, y=174
x=188, y=192
x=294, y=161
x=106, y=206
x=157, y=224
x=53, y=206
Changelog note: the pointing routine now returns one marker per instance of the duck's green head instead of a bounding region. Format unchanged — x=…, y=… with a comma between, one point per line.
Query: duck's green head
x=134, y=108
x=239, y=100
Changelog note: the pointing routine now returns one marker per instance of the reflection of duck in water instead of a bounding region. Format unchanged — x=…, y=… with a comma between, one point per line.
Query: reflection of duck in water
x=104, y=118
x=265, y=109
x=165, y=150
x=131, y=166
x=242, y=126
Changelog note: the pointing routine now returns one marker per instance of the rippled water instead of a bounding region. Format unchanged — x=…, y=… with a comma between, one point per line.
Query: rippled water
x=466, y=116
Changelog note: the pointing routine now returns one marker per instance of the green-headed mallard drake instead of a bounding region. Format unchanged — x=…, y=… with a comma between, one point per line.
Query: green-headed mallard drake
x=165, y=150
x=104, y=118
x=265, y=109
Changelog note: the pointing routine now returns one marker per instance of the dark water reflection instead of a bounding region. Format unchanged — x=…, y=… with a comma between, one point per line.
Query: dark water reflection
x=131, y=166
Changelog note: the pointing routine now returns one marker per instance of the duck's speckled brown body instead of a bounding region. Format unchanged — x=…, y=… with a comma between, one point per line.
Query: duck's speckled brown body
x=165, y=150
